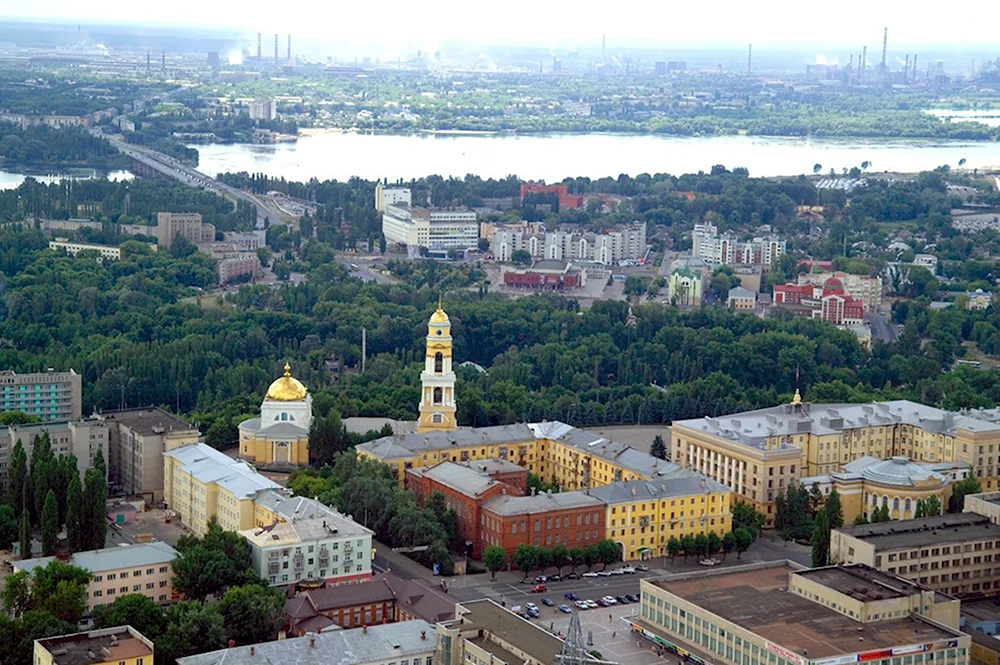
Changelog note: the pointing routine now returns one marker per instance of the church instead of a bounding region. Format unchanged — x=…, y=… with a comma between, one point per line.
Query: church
x=280, y=437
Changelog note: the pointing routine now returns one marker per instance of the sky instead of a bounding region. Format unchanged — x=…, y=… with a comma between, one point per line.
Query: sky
x=556, y=23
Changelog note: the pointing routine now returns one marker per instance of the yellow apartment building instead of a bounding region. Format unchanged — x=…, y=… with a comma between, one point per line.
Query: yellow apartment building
x=955, y=554
x=123, y=645
x=780, y=614
x=201, y=483
x=643, y=515
x=760, y=453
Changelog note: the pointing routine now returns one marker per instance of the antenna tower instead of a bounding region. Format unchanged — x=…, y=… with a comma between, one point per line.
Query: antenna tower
x=574, y=652
x=885, y=43
x=276, y=48
x=258, y=47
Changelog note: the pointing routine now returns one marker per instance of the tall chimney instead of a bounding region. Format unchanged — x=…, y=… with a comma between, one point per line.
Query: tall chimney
x=603, y=42
x=163, y=61
x=275, y=48
x=864, y=61
x=147, y=63
x=906, y=70
x=885, y=42
x=258, y=47
x=914, y=66
x=749, y=59
x=289, y=58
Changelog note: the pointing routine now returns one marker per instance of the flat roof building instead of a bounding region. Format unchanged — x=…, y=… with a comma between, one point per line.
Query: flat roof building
x=780, y=614
x=49, y=395
x=485, y=632
x=122, y=645
x=950, y=553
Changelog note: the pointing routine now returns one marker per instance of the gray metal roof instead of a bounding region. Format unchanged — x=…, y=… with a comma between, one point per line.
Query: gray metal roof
x=539, y=503
x=740, y=292
x=111, y=558
x=207, y=465
x=491, y=466
x=957, y=528
x=752, y=428
x=283, y=429
x=458, y=477
x=152, y=420
x=357, y=646
x=683, y=483
x=294, y=508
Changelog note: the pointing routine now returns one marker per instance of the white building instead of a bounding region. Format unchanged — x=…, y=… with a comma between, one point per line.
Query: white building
x=928, y=261
x=861, y=287
x=246, y=241
x=726, y=249
x=81, y=438
x=627, y=243
x=439, y=229
x=263, y=109
x=73, y=248
x=391, y=196
x=314, y=543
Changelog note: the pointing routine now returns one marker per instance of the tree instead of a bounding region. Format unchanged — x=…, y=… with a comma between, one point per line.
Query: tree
x=560, y=557
x=659, y=448
x=821, y=539
x=94, y=525
x=860, y=520
x=744, y=539
x=199, y=572
x=728, y=544
x=495, y=560
x=17, y=593
x=525, y=558
x=590, y=556
x=8, y=526
x=57, y=587
x=701, y=545
x=714, y=543
x=483, y=244
x=834, y=511
x=50, y=525
x=673, y=548
x=608, y=552
x=577, y=555
x=18, y=477
x=74, y=513
x=252, y=613
x=688, y=546
x=24, y=535
x=817, y=168
x=959, y=491
x=746, y=516
x=521, y=257
x=191, y=628
x=134, y=610
x=327, y=437
x=932, y=506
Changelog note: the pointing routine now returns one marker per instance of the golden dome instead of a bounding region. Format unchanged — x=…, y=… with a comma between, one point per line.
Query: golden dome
x=287, y=388
x=439, y=316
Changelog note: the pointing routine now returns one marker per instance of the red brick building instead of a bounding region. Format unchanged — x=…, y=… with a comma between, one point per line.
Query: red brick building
x=573, y=519
x=828, y=302
x=566, y=200
x=465, y=488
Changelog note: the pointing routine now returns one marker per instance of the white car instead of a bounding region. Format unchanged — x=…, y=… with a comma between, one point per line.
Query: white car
x=531, y=606
x=604, y=573
x=590, y=575
x=582, y=604
x=617, y=572
x=609, y=600
x=591, y=603
x=629, y=570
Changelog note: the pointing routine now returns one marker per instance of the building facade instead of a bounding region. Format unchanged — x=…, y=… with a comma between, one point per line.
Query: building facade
x=571, y=519
x=623, y=243
x=48, y=395
x=741, y=300
x=860, y=287
x=435, y=229
x=483, y=632
x=547, y=274
x=73, y=248
x=760, y=453
x=387, y=196
x=280, y=436
x=779, y=614
x=81, y=438
x=187, y=225
x=137, y=439
x=955, y=554
x=437, y=381
x=263, y=109
x=726, y=249
x=122, y=645
x=142, y=568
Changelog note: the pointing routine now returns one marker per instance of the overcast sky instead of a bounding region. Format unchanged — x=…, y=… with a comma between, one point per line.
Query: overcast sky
x=557, y=23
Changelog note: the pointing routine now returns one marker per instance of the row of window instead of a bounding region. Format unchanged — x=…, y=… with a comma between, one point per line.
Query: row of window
x=124, y=574
x=136, y=588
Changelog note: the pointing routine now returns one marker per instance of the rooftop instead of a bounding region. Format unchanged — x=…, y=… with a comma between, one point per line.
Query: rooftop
x=539, y=503
x=864, y=583
x=294, y=508
x=459, y=477
x=208, y=465
x=152, y=420
x=757, y=600
x=488, y=617
x=357, y=646
x=682, y=483
x=97, y=646
x=304, y=530
x=111, y=558
x=493, y=466
x=935, y=530
x=753, y=428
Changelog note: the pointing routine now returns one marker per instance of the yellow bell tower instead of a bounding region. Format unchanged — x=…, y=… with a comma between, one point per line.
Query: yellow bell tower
x=437, y=397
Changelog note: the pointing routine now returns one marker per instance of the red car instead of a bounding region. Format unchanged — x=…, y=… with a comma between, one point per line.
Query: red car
x=539, y=588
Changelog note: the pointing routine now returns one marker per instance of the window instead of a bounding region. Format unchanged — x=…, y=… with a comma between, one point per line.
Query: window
x=437, y=395
x=438, y=362
x=436, y=418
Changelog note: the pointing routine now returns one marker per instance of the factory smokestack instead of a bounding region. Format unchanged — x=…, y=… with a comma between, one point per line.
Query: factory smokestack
x=914, y=66
x=749, y=59
x=147, y=62
x=906, y=69
x=850, y=69
x=864, y=61
x=163, y=61
x=603, y=42
x=258, y=47
x=275, y=48
x=885, y=43
x=289, y=48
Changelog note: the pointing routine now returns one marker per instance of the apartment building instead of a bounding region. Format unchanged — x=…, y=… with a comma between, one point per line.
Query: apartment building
x=483, y=632
x=726, y=249
x=49, y=395
x=860, y=287
x=760, y=453
x=641, y=516
x=263, y=109
x=329, y=548
x=143, y=568
x=109, y=252
x=435, y=229
x=777, y=613
x=955, y=554
x=187, y=225
x=387, y=196
x=624, y=243
x=137, y=440
x=122, y=645
x=80, y=438
x=200, y=483
x=828, y=302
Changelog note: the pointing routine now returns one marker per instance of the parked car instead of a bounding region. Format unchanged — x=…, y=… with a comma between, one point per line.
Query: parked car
x=629, y=570
x=572, y=576
x=604, y=573
x=641, y=569
x=709, y=562
x=582, y=604
x=591, y=575
x=541, y=579
x=548, y=602
x=622, y=600
x=591, y=604
x=632, y=597
x=565, y=609
x=539, y=588
x=608, y=600
x=571, y=596
x=531, y=607
x=617, y=571
x=554, y=578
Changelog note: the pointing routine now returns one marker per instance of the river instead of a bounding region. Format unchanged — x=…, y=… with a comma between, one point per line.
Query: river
x=11, y=179
x=341, y=155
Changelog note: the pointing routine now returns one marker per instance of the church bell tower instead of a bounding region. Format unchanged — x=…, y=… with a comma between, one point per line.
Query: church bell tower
x=437, y=397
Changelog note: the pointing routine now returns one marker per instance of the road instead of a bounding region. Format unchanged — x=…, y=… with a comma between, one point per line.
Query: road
x=191, y=177
x=364, y=271
x=881, y=329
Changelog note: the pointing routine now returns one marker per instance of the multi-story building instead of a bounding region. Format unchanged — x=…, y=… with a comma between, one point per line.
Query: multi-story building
x=410, y=641
x=978, y=299
x=779, y=614
x=760, y=453
x=572, y=519
x=741, y=300
x=548, y=274
x=465, y=489
x=726, y=249
x=827, y=302
x=625, y=243
x=112, y=253
x=187, y=225
x=122, y=645
x=860, y=287
x=81, y=438
x=387, y=196
x=561, y=192
x=435, y=229
x=956, y=554
x=143, y=568
x=244, y=266
x=246, y=241
x=483, y=632
x=263, y=109
x=200, y=483
x=329, y=548
x=137, y=440
x=49, y=395
x=641, y=516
